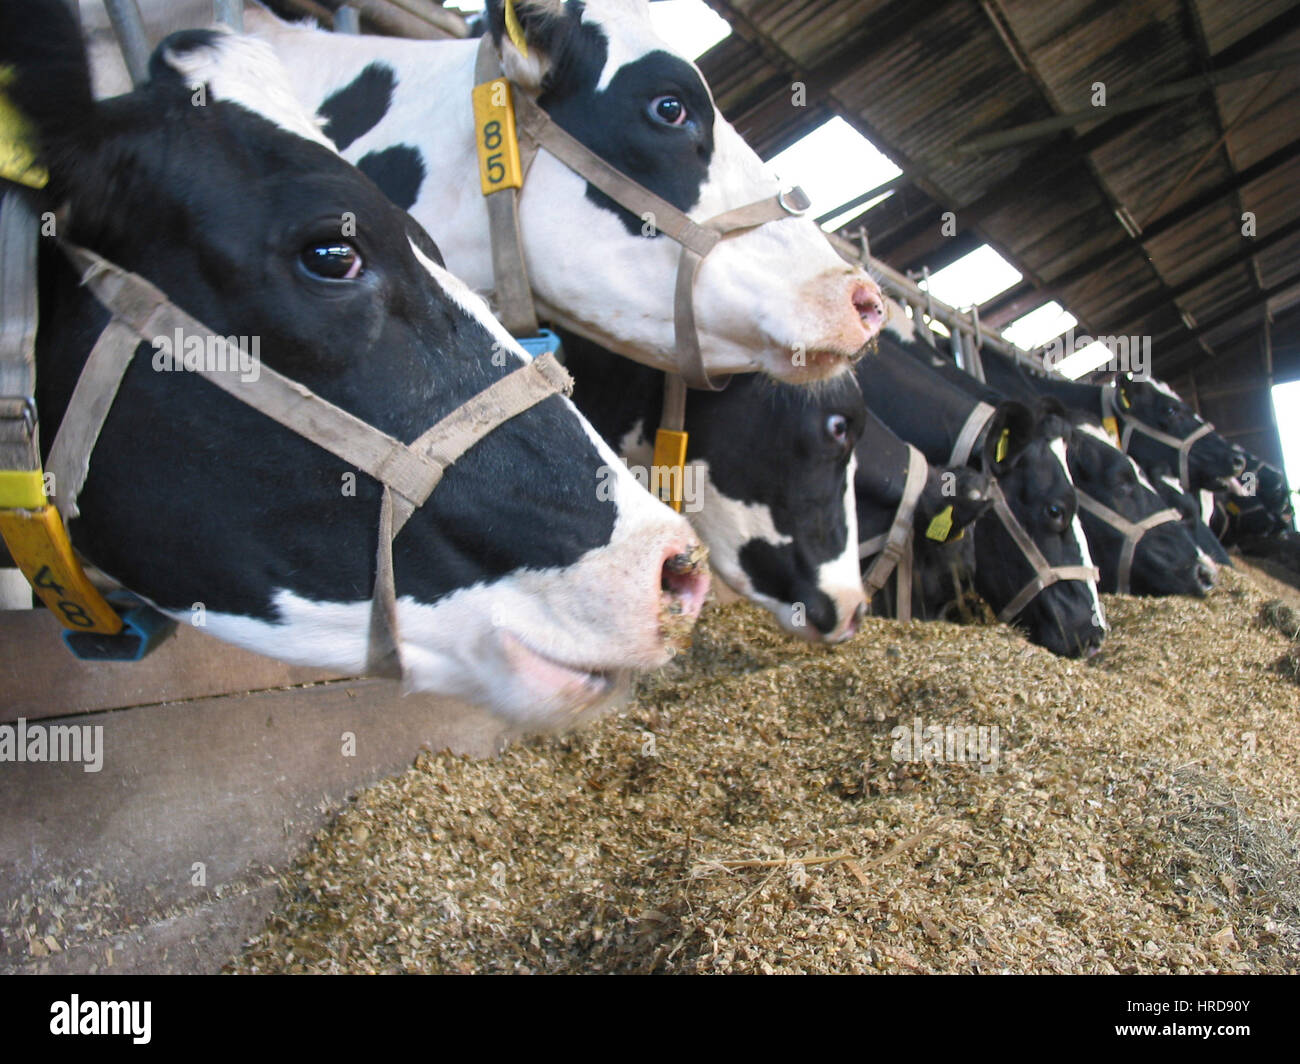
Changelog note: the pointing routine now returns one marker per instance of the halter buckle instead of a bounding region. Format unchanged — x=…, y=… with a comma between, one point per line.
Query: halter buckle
x=19, y=408
x=794, y=200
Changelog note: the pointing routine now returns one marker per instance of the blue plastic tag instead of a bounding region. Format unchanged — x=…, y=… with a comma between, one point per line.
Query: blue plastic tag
x=544, y=342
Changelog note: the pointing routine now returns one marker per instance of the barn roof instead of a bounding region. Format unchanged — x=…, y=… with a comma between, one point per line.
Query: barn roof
x=1129, y=214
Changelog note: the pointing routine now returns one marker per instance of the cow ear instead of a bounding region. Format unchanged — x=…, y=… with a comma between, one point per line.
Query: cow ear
x=529, y=34
x=47, y=112
x=1010, y=430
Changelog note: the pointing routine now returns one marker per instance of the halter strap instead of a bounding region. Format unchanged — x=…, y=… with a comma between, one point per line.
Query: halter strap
x=895, y=546
x=1182, y=445
x=1045, y=575
x=1131, y=531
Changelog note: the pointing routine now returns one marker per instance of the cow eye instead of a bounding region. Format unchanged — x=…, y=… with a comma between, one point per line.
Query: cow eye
x=669, y=110
x=335, y=261
x=837, y=428
x=1055, y=512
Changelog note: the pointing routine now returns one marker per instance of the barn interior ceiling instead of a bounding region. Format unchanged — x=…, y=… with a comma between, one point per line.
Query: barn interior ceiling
x=1169, y=212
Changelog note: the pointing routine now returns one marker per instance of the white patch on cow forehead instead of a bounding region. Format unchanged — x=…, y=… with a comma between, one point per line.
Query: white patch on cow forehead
x=245, y=71
x=845, y=572
x=1102, y=436
x=1057, y=447
x=1164, y=389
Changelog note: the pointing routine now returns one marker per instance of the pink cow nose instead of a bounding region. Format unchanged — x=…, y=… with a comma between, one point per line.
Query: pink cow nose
x=870, y=305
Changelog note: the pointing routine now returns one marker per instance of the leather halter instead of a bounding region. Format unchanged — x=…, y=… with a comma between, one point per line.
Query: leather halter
x=1045, y=575
x=895, y=546
x=1182, y=445
x=1131, y=531
x=408, y=472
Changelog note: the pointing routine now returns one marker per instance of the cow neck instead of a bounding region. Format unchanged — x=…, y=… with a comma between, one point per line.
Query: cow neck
x=537, y=131
x=895, y=546
x=1131, y=531
x=408, y=472
x=1182, y=445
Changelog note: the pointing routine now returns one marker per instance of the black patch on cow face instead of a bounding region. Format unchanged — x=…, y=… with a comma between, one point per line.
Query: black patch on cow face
x=618, y=123
x=195, y=497
x=359, y=106
x=398, y=171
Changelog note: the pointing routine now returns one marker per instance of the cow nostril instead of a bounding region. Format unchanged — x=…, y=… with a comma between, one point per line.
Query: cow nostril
x=870, y=307
x=683, y=581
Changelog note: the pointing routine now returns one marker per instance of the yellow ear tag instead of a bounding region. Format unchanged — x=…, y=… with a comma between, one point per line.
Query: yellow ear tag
x=668, y=475
x=17, y=155
x=494, y=133
x=38, y=543
x=1233, y=508
x=1112, y=426
x=1123, y=399
x=515, y=30
x=940, y=526
x=1004, y=441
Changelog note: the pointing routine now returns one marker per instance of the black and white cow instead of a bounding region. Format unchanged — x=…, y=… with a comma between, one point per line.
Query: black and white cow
x=1166, y=560
x=775, y=298
x=520, y=585
x=768, y=483
x=958, y=494
x=929, y=411
x=1258, y=503
x=1212, y=460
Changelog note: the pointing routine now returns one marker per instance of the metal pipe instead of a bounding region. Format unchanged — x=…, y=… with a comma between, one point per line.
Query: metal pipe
x=347, y=20
x=231, y=12
x=129, y=27
x=1174, y=90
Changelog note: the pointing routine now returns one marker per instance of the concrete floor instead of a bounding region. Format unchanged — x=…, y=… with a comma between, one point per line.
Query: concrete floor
x=165, y=859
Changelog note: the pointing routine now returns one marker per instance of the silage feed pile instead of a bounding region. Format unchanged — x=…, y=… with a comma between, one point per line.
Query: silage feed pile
x=751, y=813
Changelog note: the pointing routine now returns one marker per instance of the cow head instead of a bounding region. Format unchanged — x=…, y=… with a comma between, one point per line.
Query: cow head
x=1166, y=561
x=778, y=468
x=1030, y=465
x=774, y=298
x=768, y=483
x=520, y=586
x=1212, y=460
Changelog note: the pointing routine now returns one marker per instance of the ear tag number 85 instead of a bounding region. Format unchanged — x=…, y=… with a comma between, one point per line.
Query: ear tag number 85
x=498, y=143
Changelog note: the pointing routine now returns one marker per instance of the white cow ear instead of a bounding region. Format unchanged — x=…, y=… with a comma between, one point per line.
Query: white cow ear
x=527, y=33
